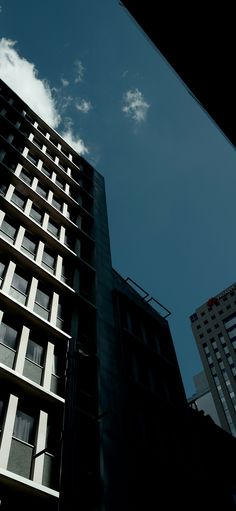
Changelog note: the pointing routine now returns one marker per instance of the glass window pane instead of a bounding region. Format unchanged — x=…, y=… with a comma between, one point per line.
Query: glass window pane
x=20, y=283
x=35, y=352
x=46, y=171
x=2, y=269
x=9, y=228
x=53, y=228
x=42, y=298
x=29, y=244
x=36, y=214
x=25, y=176
x=57, y=204
x=41, y=191
x=24, y=427
x=49, y=259
x=8, y=335
x=18, y=199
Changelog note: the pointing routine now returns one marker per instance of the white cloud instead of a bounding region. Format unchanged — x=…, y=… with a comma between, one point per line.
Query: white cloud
x=65, y=82
x=83, y=106
x=74, y=141
x=79, y=71
x=22, y=77
x=135, y=106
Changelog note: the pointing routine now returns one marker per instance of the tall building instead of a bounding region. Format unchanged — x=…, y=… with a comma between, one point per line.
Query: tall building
x=214, y=328
x=202, y=399
x=93, y=412
x=69, y=349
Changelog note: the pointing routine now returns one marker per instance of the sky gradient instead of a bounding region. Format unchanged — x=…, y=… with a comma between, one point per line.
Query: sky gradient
x=170, y=174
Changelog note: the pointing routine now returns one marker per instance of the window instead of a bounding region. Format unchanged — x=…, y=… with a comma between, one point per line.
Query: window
x=2, y=271
x=42, y=130
x=3, y=187
x=41, y=190
x=35, y=352
x=53, y=140
x=32, y=158
x=8, y=335
x=36, y=214
x=205, y=322
x=50, y=154
x=62, y=166
x=69, y=240
x=57, y=203
x=1, y=412
x=18, y=199
x=64, y=151
x=49, y=260
x=10, y=162
x=46, y=171
x=24, y=427
x=60, y=183
x=26, y=177
x=19, y=287
x=29, y=118
x=29, y=244
x=42, y=302
x=60, y=316
x=9, y=229
x=38, y=143
x=53, y=228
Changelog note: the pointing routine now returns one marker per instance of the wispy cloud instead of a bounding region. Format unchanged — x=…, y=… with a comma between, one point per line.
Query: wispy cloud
x=74, y=141
x=83, y=106
x=22, y=77
x=124, y=74
x=135, y=106
x=0, y=9
x=79, y=71
x=65, y=82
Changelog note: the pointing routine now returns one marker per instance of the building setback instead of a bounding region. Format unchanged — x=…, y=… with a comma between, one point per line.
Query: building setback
x=214, y=328
x=93, y=413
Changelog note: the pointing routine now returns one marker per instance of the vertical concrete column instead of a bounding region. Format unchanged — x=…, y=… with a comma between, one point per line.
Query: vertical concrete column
x=8, y=431
x=47, y=375
x=67, y=189
x=39, y=254
x=62, y=234
x=39, y=446
x=31, y=136
x=25, y=152
x=45, y=221
x=34, y=183
x=32, y=293
x=18, y=170
x=54, y=308
x=50, y=196
x=28, y=207
x=54, y=177
x=21, y=352
x=9, y=193
x=2, y=214
x=58, y=267
x=19, y=237
x=8, y=277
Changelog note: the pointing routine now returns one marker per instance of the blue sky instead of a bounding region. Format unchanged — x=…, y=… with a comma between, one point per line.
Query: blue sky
x=169, y=171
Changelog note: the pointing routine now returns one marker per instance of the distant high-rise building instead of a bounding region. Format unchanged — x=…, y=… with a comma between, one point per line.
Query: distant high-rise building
x=93, y=413
x=202, y=399
x=214, y=329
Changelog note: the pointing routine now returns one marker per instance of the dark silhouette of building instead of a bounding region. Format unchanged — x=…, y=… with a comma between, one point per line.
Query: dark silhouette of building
x=93, y=412
x=198, y=42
